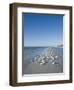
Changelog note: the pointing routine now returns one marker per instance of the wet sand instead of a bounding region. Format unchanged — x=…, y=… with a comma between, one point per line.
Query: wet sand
x=36, y=68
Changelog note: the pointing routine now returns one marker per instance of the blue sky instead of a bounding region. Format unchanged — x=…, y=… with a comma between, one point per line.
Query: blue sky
x=42, y=30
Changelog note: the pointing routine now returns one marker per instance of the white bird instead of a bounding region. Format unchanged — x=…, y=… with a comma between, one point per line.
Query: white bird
x=56, y=57
x=35, y=58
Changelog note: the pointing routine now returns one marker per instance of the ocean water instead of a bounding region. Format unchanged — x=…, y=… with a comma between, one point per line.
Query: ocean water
x=31, y=52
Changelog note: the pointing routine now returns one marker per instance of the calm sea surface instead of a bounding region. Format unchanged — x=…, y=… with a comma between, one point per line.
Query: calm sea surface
x=31, y=52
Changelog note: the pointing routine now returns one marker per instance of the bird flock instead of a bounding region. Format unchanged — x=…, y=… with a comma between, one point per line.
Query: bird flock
x=44, y=58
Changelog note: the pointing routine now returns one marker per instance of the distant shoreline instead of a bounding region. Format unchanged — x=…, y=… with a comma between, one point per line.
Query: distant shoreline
x=60, y=46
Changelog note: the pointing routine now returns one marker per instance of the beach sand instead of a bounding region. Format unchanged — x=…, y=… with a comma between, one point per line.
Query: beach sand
x=36, y=68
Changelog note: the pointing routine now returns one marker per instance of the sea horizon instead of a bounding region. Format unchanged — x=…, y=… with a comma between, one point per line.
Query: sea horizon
x=44, y=46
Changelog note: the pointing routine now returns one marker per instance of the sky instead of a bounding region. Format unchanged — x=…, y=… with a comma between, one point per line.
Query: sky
x=42, y=30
